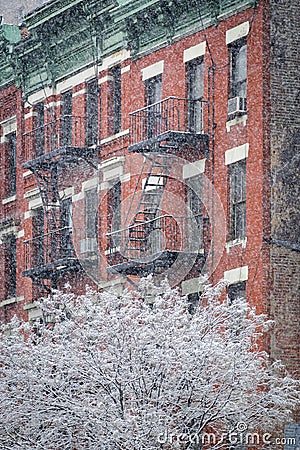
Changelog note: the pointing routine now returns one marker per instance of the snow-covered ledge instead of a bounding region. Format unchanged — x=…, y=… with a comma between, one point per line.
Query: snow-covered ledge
x=236, y=275
x=11, y=300
x=192, y=285
x=235, y=242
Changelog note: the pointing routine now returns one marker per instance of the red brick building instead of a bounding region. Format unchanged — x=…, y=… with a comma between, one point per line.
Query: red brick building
x=155, y=137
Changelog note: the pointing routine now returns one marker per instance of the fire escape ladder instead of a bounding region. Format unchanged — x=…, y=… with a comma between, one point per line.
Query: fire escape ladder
x=47, y=184
x=149, y=205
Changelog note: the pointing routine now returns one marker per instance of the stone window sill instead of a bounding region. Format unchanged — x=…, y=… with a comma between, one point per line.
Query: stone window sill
x=10, y=199
x=11, y=301
x=114, y=136
x=235, y=121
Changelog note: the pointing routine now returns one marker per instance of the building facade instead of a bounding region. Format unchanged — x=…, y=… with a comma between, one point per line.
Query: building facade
x=153, y=137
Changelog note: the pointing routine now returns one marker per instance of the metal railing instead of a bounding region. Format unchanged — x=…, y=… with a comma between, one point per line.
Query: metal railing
x=171, y=114
x=151, y=237
x=64, y=131
x=49, y=248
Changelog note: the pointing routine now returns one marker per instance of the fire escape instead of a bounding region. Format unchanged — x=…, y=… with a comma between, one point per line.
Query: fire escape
x=152, y=239
x=50, y=150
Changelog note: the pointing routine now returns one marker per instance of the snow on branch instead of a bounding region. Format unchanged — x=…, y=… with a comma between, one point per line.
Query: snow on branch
x=128, y=373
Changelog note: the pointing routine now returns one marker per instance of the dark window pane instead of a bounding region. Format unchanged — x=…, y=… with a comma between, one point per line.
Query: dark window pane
x=13, y=267
x=12, y=161
x=115, y=107
x=66, y=112
x=39, y=235
x=114, y=211
x=194, y=302
x=235, y=291
x=238, y=68
x=195, y=77
x=91, y=213
x=116, y=202
x=40, y=139
x=153, y=88
x=10, y=266
x=237, y=180
x=66, y=225
x=239, y=220
x=92, y=112
x=194, y=197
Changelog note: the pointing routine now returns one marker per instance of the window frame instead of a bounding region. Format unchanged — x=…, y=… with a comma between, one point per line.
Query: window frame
x=39, y=109
x=10, y=266
x=66, y=117
x=114, y=199
x=115, y=99
x=91, y=213
x=66, y=227
x=194, y=301
x=11, y=163
x=39, y=235
x=194, y=70
x=195, y=204
x=236, y=290
x=237, y=173
x=92, y=121
x=235, y=85
x=153, y=98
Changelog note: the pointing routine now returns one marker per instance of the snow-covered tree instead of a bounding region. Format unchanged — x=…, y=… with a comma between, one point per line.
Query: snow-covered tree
x=138, y=372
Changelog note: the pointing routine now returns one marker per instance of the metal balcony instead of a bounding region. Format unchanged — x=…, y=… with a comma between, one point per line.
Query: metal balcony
x=152, y=245
x=169, y=124
x=48, y=254
x=67, y=136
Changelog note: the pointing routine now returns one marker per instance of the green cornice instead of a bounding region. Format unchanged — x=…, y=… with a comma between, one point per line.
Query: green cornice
x=66, y=35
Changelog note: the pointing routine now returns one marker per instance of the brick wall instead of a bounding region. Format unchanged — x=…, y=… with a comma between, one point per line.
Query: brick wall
x=285, y=189
x=285, y=307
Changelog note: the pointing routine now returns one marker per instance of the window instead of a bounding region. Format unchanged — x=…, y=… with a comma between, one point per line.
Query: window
x=194, y=301
x=114, y=211
x=236, y=324
x=238, y=68
x=115, y=103
x=153, y=88
x=10, y=267
x=11, y=163
x=91, y=214
x=237, y=290
x=195, y=77
x=40, y=138
x=39, y=223
x=66, y=227
x=66, y=112
x=195, y=214
x=92, y=112
x=237, y=199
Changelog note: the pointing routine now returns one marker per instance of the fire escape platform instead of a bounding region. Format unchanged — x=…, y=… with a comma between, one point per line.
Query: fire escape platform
x=159, y=262
x=64, y=153
x=53, y=269
x=171, y=141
